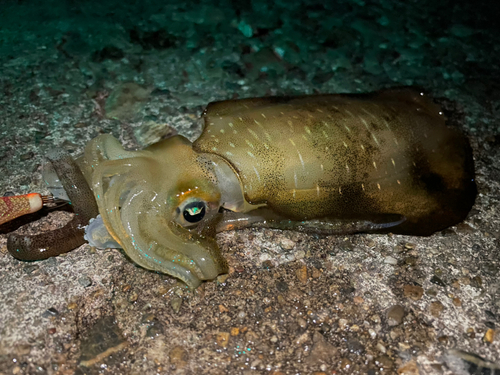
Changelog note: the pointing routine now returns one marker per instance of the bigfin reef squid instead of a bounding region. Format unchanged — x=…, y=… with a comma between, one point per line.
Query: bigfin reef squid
x=329, y=164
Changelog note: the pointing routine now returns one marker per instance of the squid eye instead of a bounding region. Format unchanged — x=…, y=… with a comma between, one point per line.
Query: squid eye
x=194, y=212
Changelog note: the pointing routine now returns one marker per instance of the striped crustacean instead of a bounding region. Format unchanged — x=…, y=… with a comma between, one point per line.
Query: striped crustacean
x=379, y=162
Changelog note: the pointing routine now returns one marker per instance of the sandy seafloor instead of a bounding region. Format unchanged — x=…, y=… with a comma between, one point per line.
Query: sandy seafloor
x=292, y=303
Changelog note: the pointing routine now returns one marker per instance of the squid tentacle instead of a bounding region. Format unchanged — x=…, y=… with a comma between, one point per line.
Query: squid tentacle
x=70, y=236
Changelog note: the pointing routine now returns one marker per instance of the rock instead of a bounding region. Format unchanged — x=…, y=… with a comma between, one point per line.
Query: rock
x=322, y=351
x=103, y=340
x=178, y=356
x=395, y=315
x=390, y=260
x=436, y=280
x=222, y=339
x=302, y=274
x=384, y=361
x=287, y=244
x=436, y=308
x=413, y=291
x=355, y=346
x=489, y=336
x=409, y=368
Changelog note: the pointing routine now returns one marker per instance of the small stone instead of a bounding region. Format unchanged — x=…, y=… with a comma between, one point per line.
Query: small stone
x=322, y=351
x=431, y=292
x=489, y=324
x=267, y=265
x=489, y=336
x=235, y=331
x=443, y=339
x=50, y=312
x=72, y=306
x=133, y=297
x=343, y=324
x=409, y=245
x=27, y=156
x=302, y=274
x=302, y=323
x=457, y=302
x=222, y=339
x=414, y=292
x=390, y=260
x=178, y=356
x=345, y=364
x=355, y=346
x=287, y=244
x=409, y=368
x=381, y=348
x=221, y=279
x=436, y=308
x=372, y=333
x=436, y=280
x=470, y=333
x=176, y=303
x=384, y=361
x=476, y=282
x=358, y=300
x=411, y=261
x=282, y=286
x=126, y=287
x=395, y=315
x=316, y=273
x=222, y=309
x=85, y=281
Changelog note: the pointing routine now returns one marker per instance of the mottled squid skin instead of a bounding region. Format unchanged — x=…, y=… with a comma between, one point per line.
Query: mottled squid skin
x=346, y=156
x=328, y=164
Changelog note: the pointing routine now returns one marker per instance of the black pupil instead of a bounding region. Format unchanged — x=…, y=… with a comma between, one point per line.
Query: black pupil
x=194, y=212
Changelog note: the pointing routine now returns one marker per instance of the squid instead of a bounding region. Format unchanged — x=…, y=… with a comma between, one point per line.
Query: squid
x=330, y=164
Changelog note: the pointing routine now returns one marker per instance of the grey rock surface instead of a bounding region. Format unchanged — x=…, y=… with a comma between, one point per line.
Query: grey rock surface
x=292, y=303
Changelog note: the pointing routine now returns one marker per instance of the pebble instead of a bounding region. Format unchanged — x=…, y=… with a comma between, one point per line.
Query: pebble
x=322, y=351
x=267, y=265
x=27, y=156
x=85, y=281
x=302, y=274
x=222, y=339
x=489, y=336
x=178, y=356
x=372, y=333
x=287, y=244
x=436, y=280
x=390, y=260
x=133, y=297
x=395, y=315
x=282, y=286
x=345, y=364
x=302, y=323
x=355, y=346
x=235, y=331
x=176, y=303
x=50, y=312
x=476, y=282
x=343, y=324
x=409, y=368
x=384, y=361
x=436, y=308
x=457, y=302
x=414, y=292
